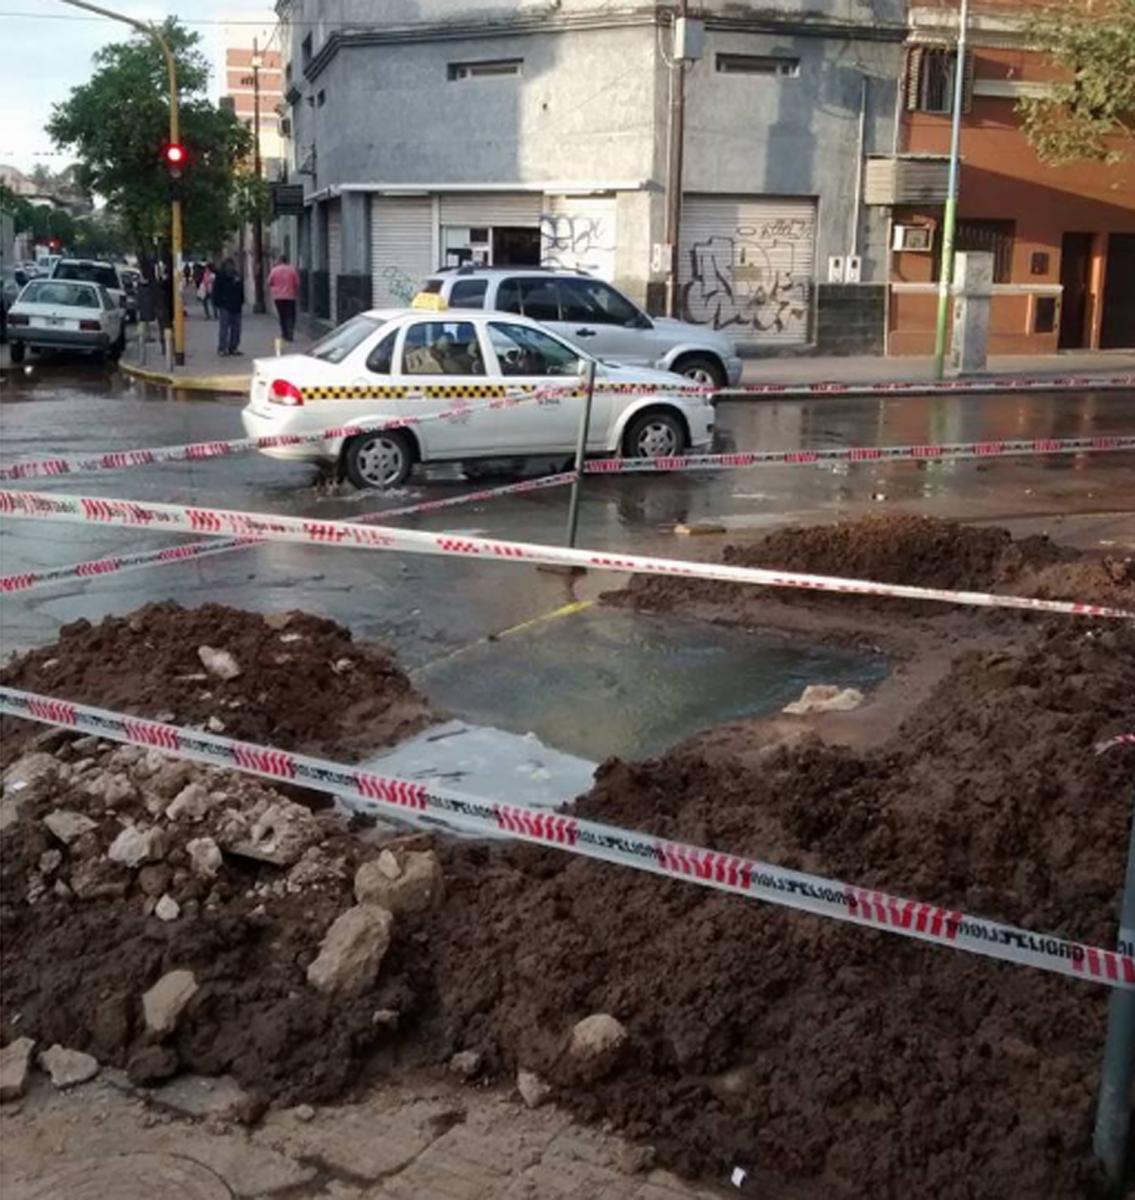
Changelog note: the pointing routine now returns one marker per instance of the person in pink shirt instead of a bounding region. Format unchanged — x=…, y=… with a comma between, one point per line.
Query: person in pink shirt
x=284, y=287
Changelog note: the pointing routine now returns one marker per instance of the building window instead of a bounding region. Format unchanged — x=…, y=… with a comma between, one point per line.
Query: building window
x=320, y=98
x=930, y=79
x=993, y=236
x=757, y=64
x=488, y=69
x=305, y=51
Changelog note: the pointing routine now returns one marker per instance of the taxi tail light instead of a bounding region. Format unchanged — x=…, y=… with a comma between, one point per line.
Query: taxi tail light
x=89, y=326
x=281, y=391
x=17, y=319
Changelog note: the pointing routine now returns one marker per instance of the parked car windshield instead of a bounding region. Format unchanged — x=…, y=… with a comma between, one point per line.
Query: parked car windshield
x=340, y=342
x=52, y=291
x=91, y=272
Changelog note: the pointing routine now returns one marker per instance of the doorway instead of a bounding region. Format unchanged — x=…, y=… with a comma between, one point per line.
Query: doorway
x=516, y=246
x=1117, y=330
x=1075, y=279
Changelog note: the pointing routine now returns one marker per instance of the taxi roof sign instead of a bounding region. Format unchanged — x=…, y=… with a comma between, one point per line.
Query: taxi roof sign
x=430, y=301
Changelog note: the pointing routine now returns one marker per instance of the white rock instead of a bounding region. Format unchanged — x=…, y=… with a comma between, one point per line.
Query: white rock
x=30, y=777
x=466, y=1063
x=279, y=835
x=352, y=950
x=192, y=803
x=411, y=882
x=204, y=857
x=167, y=908
x=218, y=662
x=164, y=1003
x=111, y=787
x=67, y=825
x=68, y=1067
x=595, y=1045
x=303, y=1112
x=825, y=697
x=15, y=1062
x=50, y=861
x=135, y=846
x=215, y=725
x=533, y=1090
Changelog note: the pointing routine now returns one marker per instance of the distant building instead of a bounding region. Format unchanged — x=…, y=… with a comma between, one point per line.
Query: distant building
x=255, y=31
x=1062, y=238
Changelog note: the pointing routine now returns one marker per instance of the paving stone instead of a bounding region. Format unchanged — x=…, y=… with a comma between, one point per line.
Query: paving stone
x=251, y=1170
x=359, y=1145
x=464, y=1165
x=201, y=1096
x=565, y=1179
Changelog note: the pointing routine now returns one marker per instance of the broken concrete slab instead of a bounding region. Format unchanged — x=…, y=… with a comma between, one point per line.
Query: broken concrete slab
x=164, y=1003
x=15, y=1063
x=352, y=950
x=68, y=1068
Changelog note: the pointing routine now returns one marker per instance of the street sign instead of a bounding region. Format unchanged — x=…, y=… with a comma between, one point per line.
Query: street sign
x=287, y=199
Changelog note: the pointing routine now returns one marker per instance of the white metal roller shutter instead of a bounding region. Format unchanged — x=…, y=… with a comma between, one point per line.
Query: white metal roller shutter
x=401, y=247
x=334, y=253
x=578, y=233
x=747, y=266
x=491, y=208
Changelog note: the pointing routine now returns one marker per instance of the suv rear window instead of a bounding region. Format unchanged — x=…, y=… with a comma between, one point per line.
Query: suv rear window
x=468, y=293
x=90, y=272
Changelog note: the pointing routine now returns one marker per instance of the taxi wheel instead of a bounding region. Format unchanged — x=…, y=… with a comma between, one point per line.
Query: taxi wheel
x=655, y=435
x=379, y=460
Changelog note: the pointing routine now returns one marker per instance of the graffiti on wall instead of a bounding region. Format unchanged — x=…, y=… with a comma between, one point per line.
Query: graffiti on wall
x=398, y=284
x=579, y=241
x=758, y=277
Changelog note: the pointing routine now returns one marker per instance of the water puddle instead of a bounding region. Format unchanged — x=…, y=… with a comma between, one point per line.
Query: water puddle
x=605, y=682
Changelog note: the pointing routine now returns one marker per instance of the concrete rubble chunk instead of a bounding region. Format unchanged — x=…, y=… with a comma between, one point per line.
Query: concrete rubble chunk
x=164, y=1003
x=135, y=846
x=533, y=1090
x=824, y=697
x=68, y=1068
x=418, y=886
x=279, y=834
x=466, y=1063
x=352, y=950
x=218, y=662
x=32, y=773
x=192, y=803
x=205, y=857
x=167, y=908
x=595, y=1046
x=68, y=825
x=218, y=1097
x=50, y=861
x=111, y=787
x=15, y=1063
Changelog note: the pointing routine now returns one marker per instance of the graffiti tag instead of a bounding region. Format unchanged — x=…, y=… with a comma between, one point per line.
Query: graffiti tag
x=400, y=285
x=577, y=242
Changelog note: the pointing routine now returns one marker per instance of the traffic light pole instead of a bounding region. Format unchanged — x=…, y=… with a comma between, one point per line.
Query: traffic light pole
x=177, y=309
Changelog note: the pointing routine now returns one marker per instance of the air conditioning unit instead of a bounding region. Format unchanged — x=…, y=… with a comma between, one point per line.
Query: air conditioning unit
x=916, y=238
x=285, y=127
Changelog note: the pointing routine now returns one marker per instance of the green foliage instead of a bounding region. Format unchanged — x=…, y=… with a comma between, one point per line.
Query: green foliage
x=1090, y=114
x=118, y=124
x=17, y=207
x=251, y=198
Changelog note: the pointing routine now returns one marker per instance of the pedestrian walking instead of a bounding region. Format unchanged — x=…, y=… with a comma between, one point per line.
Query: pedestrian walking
x=228, y=300
x=284, y=286
x=205, y=289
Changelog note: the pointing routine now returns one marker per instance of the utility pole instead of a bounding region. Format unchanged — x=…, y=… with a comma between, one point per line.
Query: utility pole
x=950, y=217
x=177, y=310
x=677, y=139
x=258, y=220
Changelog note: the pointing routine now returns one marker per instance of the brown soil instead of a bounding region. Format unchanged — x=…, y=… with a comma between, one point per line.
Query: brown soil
x=921, y=551
x=305, y=684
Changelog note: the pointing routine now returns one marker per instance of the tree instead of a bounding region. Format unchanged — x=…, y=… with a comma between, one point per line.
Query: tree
x=118, y=123
x=1090, y=112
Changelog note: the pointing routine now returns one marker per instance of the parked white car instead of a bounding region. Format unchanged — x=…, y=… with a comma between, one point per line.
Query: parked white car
x=58, y=314
x=444, y=352
x=594, y=314
x=93, y=270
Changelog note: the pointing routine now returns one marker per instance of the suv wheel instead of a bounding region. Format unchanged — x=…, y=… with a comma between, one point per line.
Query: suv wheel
x=703, y=369
x=17, y=351
x=379, y=460
x=655, y=435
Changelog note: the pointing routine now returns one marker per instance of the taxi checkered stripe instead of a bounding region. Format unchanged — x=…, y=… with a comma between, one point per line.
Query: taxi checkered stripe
x=446, y=391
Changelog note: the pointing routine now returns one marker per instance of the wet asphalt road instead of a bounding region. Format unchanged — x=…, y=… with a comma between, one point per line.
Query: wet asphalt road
x=432, y=609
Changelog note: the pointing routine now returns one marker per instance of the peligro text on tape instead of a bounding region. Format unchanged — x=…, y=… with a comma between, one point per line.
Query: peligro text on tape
x=272, y=527
x=119, y=460
x=929, y=452
x=26, y=581
x=592, y=839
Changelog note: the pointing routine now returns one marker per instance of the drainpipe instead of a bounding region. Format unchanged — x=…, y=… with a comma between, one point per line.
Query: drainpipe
x=857, y=211
x=677, y=137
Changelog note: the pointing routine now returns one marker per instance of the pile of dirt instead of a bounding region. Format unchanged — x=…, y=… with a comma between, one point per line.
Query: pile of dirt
x=806, y=1050
x=914, y=550
x=300, y=681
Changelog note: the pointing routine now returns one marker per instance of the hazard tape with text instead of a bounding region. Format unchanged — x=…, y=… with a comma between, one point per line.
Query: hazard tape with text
x=272, y=527
x=26, y=581
x=747, y=877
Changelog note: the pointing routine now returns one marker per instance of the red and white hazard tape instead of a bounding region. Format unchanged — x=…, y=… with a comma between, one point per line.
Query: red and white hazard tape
x=270, y=527
x=26, y=581
x=929, y=452
x=1025, y=383
x=623, y=847
x=1120, y=739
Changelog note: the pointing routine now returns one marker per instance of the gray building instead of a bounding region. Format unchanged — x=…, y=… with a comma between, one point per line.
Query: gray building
x=438, y=132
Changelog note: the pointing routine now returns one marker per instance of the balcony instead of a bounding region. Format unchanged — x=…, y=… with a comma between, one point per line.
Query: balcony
x=905, y=179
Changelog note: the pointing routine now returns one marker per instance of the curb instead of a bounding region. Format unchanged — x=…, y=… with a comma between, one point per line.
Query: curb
x=976, y=385
x=236, y=385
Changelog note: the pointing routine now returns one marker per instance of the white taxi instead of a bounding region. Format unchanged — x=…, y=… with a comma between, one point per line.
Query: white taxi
x=410, y=364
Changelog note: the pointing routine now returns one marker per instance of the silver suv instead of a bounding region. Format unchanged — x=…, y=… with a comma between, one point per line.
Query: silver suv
x=596, y=316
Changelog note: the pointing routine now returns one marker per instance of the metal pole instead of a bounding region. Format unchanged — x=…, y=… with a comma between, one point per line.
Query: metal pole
x=861, y=141
x=1113, y=1109
x=677, y=132
x=949, y=218
x=177, y=312
x=258, y=220
x=581, y=450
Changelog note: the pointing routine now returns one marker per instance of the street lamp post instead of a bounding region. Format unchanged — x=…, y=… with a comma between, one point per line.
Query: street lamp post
x=177, y=310
x=258, y=219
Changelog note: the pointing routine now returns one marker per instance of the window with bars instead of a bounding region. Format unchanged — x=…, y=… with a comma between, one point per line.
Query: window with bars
x=993, y=236
x=486, y=69
x=930, y=79
x=757, y=64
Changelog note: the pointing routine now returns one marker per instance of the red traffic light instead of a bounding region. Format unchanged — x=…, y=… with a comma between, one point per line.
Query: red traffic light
x=174, y=157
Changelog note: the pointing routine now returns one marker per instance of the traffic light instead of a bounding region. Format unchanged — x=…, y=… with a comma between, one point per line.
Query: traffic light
x=174, y=158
